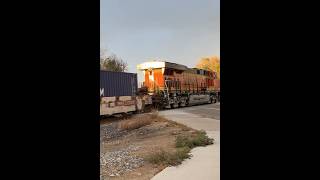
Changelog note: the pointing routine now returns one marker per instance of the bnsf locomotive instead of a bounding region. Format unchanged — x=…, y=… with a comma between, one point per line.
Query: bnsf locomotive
x=173, y=85
x=165, y=85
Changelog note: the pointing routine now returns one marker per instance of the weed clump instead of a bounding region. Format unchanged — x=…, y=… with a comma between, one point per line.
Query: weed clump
x=199, y=139
x=166, y=158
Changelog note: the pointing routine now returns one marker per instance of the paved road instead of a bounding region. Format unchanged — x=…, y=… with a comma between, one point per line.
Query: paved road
x=205, y=161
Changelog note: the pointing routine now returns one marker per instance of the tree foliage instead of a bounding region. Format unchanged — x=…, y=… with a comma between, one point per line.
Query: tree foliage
x=210, y=63
x=112, y=62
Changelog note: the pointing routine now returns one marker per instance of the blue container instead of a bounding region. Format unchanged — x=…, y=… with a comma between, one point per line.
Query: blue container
x=118, y=84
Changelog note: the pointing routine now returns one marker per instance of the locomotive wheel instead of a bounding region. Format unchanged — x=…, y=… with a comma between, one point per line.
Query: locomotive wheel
x=158, y=106
x=174, y=105
x=188, y=104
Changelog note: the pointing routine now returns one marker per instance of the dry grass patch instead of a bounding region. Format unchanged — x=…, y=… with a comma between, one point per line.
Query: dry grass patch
x=135, y=123
x=140, y=121
x=168, y=158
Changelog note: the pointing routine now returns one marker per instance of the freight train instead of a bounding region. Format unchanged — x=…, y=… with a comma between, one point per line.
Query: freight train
x=165, y=85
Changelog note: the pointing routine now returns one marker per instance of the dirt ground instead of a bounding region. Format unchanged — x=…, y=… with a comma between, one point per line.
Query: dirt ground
x=141, y=142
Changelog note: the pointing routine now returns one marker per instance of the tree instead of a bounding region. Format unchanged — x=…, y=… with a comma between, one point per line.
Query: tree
x=210, y=63
x=112, y=62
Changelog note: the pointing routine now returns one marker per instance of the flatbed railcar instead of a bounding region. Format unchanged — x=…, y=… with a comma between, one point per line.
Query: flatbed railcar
x=119, y=94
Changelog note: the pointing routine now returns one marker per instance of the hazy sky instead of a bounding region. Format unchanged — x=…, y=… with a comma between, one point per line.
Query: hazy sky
x=179, y=31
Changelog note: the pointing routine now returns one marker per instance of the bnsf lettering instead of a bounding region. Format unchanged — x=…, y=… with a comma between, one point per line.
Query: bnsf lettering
x=102, y=92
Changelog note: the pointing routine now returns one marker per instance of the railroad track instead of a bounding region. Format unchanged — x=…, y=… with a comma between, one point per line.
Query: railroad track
x=118, y=117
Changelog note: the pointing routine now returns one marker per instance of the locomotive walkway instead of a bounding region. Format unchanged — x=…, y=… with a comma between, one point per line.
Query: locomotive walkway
x=205, y=161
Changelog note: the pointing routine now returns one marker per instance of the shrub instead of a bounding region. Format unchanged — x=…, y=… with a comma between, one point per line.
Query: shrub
x=200, y=139
x=164, y=157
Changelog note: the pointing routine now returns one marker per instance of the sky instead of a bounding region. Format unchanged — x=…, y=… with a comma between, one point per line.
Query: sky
x=179, y=31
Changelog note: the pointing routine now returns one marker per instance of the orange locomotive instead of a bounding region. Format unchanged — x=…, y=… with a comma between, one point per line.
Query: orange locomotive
x=173, y=85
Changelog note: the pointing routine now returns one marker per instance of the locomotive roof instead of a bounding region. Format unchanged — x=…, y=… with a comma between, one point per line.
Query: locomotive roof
x=164, y=64
x=161, y=64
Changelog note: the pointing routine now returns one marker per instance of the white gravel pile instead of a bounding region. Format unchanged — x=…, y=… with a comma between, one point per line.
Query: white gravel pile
x=117, y=162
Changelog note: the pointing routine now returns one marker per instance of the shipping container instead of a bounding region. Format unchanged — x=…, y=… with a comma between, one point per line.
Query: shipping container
x=117, y=84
